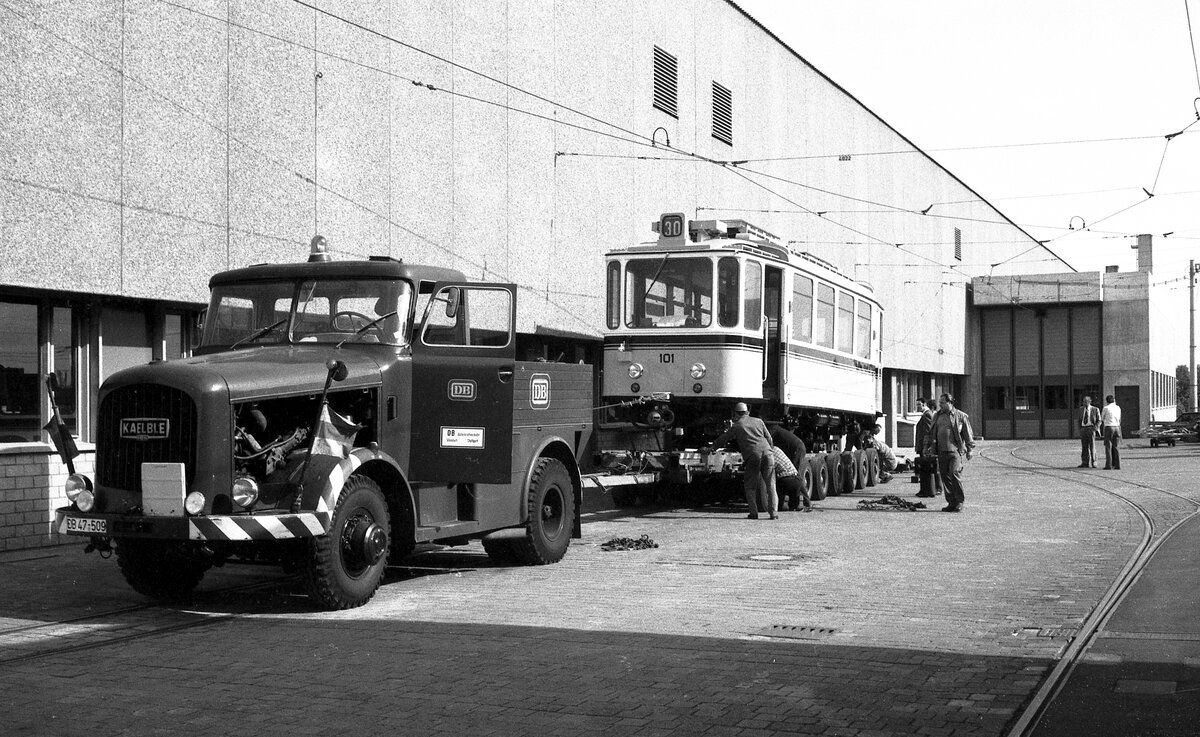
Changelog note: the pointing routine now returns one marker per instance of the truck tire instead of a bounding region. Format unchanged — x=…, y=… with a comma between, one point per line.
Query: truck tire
x=806, y=480
x=551, y=515
x=820, y=478
x=849, y=472
x=346, y=566
x=833, y=468
x=872, y=467
x=159, y=569
x=860, y=461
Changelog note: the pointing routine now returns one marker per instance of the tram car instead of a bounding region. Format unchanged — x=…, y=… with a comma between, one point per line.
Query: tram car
x=715, y=312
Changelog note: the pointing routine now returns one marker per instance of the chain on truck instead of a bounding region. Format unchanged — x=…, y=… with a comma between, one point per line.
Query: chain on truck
x=714, y=312
x=334, y=415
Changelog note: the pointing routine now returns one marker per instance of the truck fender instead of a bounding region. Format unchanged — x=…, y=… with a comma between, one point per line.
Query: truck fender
x=327, y=476
x=554, y=446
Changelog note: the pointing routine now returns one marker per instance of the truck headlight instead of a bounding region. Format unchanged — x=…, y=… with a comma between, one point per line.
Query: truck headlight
x=76, y=484
x=245, y=491
x=194, y=503
x=699, y=370
x=635, y=370
x=85, y=501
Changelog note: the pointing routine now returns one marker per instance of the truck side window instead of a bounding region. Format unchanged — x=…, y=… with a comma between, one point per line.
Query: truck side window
x=490, y=317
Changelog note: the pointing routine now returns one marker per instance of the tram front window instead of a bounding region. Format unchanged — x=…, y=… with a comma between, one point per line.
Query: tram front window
x=669, y=292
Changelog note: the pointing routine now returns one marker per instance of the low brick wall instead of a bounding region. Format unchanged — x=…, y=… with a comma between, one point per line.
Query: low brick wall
x=31, y=488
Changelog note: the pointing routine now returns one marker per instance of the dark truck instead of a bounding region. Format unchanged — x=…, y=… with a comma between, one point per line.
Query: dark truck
x=334, y=415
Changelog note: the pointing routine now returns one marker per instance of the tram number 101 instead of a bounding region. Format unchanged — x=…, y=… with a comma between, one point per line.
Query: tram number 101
x=666, y=358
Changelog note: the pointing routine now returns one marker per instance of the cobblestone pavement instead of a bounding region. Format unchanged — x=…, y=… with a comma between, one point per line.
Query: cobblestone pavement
x=840, y=622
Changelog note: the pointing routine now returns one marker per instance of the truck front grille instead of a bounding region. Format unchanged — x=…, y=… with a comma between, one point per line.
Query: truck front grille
x=119, y=460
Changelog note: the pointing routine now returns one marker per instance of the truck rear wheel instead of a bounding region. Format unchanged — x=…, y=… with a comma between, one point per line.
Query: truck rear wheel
x=160, y=569
x=551, y=515
x=820, y=478
x=346, y=566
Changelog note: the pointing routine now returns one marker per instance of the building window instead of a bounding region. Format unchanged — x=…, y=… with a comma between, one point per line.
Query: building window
x=958, y=244
x=20, y=405
x=722, y=114
x=63, y=342
x=666, y=82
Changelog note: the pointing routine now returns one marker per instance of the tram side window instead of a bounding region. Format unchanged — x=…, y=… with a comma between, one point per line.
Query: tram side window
x=862, y=333
x=802, y=309
x=823, y=326
x=845, y=326
x=728, y=295
x=668, y=293
x=754, y=302
x=614, y=295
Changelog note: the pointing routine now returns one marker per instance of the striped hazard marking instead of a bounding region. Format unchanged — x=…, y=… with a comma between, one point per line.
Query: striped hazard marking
x=272, y=527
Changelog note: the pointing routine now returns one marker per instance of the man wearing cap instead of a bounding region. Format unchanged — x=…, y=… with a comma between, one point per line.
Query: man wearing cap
x=758, y=464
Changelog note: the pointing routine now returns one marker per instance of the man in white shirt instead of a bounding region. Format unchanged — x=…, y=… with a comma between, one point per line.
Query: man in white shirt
x=1110, y=425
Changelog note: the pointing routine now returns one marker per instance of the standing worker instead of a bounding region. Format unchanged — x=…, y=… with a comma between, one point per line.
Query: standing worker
x=1110, y=421
x=951, y=439
x=1089, y=428
x=924, y=425
x=758, y=464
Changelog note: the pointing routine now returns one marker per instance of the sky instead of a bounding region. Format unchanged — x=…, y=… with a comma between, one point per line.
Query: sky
x=1055, y=111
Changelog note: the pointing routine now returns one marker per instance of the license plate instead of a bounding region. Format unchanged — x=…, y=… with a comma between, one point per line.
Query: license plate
x=88, y=525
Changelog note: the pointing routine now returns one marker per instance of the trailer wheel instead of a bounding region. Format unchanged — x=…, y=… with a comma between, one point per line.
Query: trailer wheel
x=806, y=480
x=820, y=478
x=551, y=515
x=860, y=476
x=872, y=467
x=849, y=472
x=346, y=566
x=833, y=469
x=160, y=569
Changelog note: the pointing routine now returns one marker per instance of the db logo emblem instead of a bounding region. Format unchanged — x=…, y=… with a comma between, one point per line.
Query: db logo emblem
x=461, y=390
x=539, y=391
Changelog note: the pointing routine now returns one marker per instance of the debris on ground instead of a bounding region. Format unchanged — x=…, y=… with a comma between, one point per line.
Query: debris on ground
x=628, y=543
x=890, y=503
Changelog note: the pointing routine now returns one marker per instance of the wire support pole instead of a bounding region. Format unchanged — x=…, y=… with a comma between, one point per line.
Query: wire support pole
x=1192, y=335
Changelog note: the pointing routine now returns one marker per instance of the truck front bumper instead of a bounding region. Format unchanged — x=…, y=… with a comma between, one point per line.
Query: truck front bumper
x=227, y=528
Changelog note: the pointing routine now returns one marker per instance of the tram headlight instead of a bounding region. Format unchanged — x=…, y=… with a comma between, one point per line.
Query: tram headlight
x=193, y=503
x=698, y=371
x=636, y=370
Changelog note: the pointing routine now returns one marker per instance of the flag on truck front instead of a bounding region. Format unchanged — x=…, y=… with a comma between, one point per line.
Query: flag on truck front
x=335, y=434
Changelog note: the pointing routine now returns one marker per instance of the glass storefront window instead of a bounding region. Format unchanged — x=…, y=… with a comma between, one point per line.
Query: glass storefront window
x=20, y=398
x=1027, y=398
x=996, y=398
x=62, y=338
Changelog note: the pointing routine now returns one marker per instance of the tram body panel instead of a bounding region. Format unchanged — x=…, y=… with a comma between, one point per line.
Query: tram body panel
x=731, y=369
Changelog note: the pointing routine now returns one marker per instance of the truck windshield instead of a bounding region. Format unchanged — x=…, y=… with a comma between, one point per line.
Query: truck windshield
x=669, y=292
x=324, y=311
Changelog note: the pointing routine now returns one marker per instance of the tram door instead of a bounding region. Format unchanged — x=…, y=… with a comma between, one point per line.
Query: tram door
x=773, y=355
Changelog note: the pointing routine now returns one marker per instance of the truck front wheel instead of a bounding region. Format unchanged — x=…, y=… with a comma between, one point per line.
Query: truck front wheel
x=551, y=515
x=346, y=566
x=160, y=569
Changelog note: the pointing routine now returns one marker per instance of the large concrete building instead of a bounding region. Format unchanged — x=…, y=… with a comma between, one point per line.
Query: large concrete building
x=149, y=144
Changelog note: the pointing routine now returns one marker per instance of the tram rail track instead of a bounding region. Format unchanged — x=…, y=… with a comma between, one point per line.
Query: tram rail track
x=1152, y=539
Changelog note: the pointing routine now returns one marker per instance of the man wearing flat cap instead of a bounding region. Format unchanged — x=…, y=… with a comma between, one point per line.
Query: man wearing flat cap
x=758, y=463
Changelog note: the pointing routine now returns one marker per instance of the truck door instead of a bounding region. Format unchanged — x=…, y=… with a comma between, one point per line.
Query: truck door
x=464, y=351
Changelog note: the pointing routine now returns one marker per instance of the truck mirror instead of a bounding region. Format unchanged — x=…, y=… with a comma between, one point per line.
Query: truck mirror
x=337, y=370
x=453, y=295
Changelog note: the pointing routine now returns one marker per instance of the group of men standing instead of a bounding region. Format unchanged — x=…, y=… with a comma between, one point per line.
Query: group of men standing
x=1106, y=423
x=770, y=458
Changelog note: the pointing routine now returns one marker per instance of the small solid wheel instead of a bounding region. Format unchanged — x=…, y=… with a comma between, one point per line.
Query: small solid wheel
x=160, y=569
x=849, y=472
x=551, y=515
x=872, y=467
x=820, y=478
x=346, y=566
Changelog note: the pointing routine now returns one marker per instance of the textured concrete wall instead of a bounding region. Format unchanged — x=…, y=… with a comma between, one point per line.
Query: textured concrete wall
x=156, y=143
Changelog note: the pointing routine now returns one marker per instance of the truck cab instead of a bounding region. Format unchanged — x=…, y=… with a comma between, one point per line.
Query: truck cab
x=334, y=415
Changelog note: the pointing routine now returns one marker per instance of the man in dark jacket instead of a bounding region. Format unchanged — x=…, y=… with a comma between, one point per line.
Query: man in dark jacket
x=924, y=425
x=951, y=439
x=758, y=464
